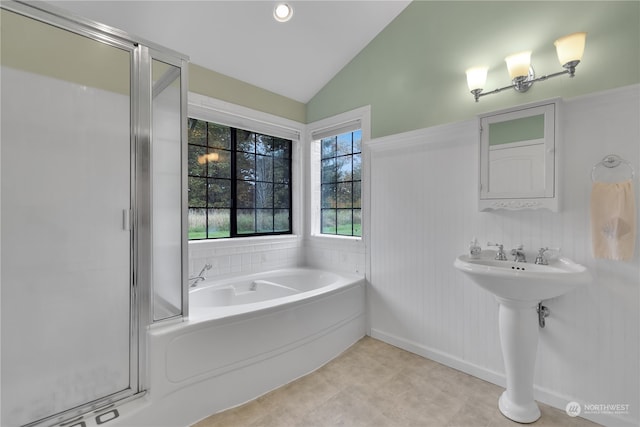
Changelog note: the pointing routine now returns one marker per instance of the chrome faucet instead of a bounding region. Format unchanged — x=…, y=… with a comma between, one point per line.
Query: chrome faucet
x=541, y=259
x=518, y=254
x=200, y=275
x=500, y=256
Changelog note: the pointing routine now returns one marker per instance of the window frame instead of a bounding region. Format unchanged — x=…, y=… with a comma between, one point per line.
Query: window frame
x=219, y=112
x=233, y=206
x=336, y=156
x=359, y=118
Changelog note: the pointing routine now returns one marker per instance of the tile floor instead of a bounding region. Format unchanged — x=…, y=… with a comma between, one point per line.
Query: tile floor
x=376, y=384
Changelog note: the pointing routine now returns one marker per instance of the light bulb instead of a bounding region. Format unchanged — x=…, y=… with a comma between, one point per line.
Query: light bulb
x=476, y=77
x=570, y=48
x=518, y=64
x=282, y=12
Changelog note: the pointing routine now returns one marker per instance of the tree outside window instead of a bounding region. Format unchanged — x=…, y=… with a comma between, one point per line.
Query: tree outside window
x=239, y=182
x=341, y=184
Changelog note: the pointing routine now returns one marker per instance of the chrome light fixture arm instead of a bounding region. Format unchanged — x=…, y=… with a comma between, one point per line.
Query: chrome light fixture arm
x=569, y=48
x=522, y=84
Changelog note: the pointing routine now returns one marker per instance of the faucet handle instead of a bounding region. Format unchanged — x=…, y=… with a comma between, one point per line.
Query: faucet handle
x=518, y=249
x=500, y=256
x=541, y=259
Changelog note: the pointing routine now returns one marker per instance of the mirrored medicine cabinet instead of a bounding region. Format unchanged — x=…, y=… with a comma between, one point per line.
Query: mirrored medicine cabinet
x=519, y=157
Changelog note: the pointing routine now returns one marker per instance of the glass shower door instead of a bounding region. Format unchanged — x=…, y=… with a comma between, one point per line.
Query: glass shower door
x=66, y=198
x=167, y=152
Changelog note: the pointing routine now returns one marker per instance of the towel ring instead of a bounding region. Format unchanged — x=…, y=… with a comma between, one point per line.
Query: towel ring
x=612, y=161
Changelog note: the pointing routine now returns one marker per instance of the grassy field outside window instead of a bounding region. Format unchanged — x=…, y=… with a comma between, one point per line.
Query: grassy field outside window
x=239, y=182
x=341, y=184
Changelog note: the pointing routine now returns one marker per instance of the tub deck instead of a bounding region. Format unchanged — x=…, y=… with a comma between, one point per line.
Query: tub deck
x=223, y=356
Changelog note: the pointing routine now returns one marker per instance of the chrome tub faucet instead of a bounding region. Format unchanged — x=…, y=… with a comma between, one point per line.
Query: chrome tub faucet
x=194, y=280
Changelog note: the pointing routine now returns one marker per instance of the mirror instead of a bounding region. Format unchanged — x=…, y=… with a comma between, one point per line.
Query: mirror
x=518, y=158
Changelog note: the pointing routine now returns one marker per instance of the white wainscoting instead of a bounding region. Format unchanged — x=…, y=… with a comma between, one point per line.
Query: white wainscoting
x=424, y=213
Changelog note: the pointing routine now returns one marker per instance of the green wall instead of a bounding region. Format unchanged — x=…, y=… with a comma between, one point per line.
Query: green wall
x=216, y=85
x=43, y=49
x=413, y=73
x=32, y=46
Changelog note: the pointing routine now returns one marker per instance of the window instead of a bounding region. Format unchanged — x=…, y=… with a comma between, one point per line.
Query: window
x=239, y=182
x=341, y=184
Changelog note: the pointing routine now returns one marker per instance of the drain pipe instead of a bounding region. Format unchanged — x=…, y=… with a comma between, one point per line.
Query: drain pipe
x=542, y=313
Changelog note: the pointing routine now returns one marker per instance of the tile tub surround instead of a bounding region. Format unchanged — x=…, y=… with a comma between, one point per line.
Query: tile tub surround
x=376, y=384
x=232, y=257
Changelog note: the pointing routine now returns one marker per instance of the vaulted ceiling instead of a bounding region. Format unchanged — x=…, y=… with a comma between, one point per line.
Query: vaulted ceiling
x=241, y=39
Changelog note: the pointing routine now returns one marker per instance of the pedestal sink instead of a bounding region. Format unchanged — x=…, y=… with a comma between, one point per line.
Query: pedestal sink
x=519, y=288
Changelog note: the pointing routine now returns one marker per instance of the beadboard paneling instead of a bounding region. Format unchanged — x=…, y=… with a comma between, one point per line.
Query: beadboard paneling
x=424, y=213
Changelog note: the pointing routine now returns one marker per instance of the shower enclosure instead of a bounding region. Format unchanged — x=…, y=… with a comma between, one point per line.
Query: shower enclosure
x=92, y=201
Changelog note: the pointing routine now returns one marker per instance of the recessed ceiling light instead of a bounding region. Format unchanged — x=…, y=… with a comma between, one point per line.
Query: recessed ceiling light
x=282, y=12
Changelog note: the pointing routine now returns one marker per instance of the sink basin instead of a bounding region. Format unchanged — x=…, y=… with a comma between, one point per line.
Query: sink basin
x=523, y=281
x=519, y=287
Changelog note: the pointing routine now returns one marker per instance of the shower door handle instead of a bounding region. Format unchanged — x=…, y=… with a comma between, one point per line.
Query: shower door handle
x=126, y=219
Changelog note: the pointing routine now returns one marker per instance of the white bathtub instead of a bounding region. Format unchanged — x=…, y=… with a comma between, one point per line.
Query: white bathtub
x=259, y=291
x=244, y=337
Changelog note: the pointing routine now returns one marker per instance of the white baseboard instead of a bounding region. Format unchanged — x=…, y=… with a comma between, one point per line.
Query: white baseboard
x=543, y=395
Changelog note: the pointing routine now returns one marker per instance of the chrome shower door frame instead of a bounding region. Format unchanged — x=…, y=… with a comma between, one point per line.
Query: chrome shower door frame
x=140, y=215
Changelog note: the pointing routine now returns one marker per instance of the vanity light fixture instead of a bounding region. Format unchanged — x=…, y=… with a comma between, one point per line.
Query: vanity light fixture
x=282, y=12
x=569, y=48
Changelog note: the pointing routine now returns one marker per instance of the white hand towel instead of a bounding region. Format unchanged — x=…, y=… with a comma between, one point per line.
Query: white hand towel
x=613, y=220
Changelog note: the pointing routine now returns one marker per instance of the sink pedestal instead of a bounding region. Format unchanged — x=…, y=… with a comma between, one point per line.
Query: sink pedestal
x=519, y=287
x=518, y=323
